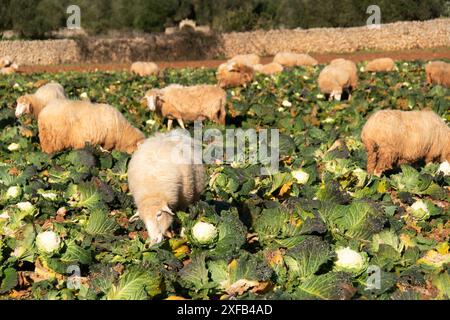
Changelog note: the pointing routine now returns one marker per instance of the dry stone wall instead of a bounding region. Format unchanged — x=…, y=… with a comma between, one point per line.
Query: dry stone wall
x=198, y=45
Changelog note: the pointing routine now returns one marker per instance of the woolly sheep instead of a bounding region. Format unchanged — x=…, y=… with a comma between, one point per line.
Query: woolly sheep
x=333, y=80
x=188, y=103
x=268, y=69
x=234, y=75
x=71, y=124
x=351, y=68
x=145, y=69
x=9, y=70
x=34, y=103
x=380, y=65
x=164, y=176
x=246, y=59
x=394, y=137
x=438, y=72
x=5, y=62
x=290, y=59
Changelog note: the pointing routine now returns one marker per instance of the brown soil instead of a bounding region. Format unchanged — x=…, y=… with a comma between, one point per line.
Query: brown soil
x=407, y=55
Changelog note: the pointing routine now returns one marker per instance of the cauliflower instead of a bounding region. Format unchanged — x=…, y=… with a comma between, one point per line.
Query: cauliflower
x=301, y=176
x=286, y=104
x=349, y=260
x=48, y=241
x=13, y=147
x=419, y=210
x=444, y=168
x=25, y=206
x=13, y=192
x=205, y=233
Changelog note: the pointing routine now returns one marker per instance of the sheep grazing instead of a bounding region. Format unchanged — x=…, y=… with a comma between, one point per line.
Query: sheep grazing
x=438, y=72
x=350, y=67
x=268, y=69
x=34, y=103
x=188, y=103
x=333, y=80
x=234, y=74
x=67, y=124
x=9, y=70
x=145, y=69
x=290, y=59
x=7, y=66
x=381, y=65
x=394, y=137
x=246, y=59
x=165, y=175
x=5, y=62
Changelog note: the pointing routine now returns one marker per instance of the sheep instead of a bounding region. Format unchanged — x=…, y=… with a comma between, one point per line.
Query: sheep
x=438, y=72
x=268, y=69
x=381, y=65
x=246, y=59
x=394, y=137
x=290, y=59
x=34, y=103
x=5, y=62
x=164, y=175
x=351, y=68
x=67, y=124
x=188, y=103
x=9, y=70
x=145, y=69
x=234, y=74
x=333, y=80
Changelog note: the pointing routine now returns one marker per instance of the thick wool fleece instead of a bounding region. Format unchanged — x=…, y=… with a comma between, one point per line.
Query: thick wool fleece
x=393, y=137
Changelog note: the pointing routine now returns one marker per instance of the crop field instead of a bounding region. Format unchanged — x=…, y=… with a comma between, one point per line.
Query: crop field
x=319, y=228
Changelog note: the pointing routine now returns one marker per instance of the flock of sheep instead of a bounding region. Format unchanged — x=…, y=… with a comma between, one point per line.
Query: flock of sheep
x=161, y=183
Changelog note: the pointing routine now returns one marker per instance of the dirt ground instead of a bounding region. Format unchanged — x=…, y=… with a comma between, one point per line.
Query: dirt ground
x=407, y=55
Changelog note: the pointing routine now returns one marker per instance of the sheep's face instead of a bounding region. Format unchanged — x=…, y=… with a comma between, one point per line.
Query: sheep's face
x=336, y=94
x=157, y=220
x=23, y=106
x=151, y=99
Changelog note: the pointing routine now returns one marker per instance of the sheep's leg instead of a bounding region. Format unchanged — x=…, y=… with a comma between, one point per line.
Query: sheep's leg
x=169, y=124
x=181, y=123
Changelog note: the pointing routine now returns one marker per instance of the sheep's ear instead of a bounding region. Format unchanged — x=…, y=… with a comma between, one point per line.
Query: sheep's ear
x=165, y=209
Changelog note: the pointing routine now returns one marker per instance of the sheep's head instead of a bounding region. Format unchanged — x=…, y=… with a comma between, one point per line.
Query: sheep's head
x=24, y=105
x=336, y=94
x=151, y=99
x=157, y=220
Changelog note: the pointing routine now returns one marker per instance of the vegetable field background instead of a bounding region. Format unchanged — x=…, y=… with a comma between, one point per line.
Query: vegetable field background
x=321, y=228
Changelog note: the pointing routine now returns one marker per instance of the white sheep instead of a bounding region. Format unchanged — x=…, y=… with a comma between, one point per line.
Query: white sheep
x=5, y=62
x=9, y=70
x=438, y=72
x=188, y=103
x=165, y=174
x=380, y=65
x=351, y=68
x=333, y=80
x=34, y=103
x=247, y=59
x=290, y=59
x=145, y=69
x=67, y=124
x=268, y=69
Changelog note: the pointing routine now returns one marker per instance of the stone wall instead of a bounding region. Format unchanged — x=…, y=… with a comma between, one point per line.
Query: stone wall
x=197, y=45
